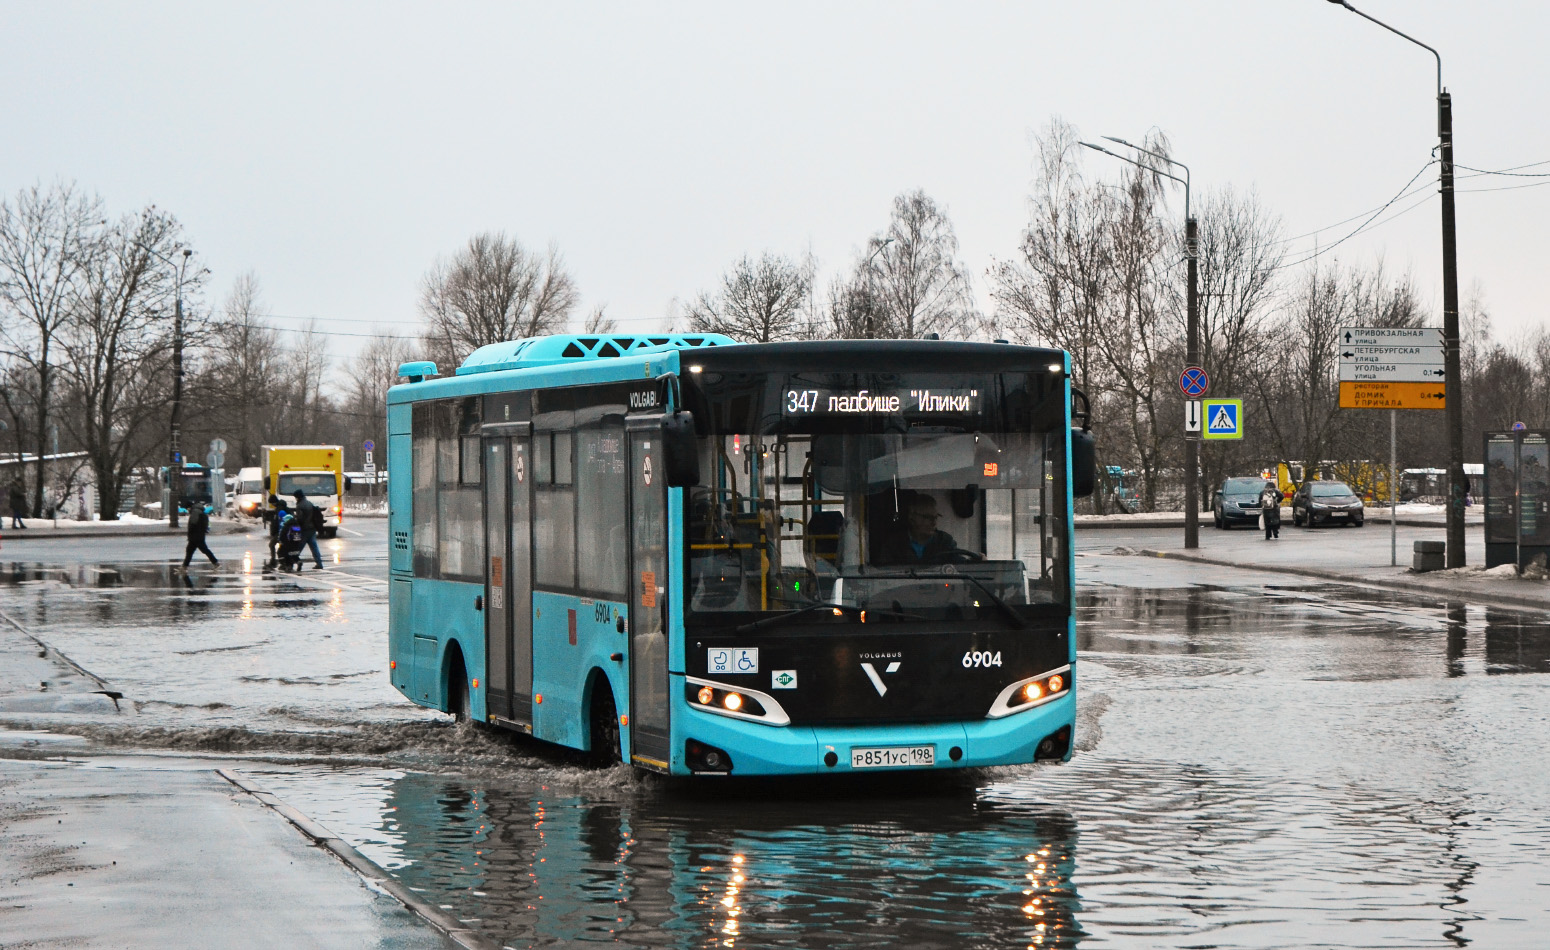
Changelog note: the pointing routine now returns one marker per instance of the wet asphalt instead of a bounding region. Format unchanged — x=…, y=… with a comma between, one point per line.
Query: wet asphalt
x=1263, y=761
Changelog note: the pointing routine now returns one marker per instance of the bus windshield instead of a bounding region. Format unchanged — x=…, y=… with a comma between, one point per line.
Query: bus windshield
x=907, y=515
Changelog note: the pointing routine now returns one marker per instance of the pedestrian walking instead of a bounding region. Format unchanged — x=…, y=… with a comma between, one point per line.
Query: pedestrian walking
x=310, y=517
x=198, y=527
x=1270, y=510
x=275, y=514
x=16, y=497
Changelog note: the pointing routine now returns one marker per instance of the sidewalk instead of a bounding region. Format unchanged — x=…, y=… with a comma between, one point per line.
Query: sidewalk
x=1361, y=556
x=39, y=529
x=1415, y=516
x=163, y=851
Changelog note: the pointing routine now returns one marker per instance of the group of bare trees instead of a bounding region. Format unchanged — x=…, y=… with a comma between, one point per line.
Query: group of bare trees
x=1100, y=272
x=87, y=308
x=908, y=283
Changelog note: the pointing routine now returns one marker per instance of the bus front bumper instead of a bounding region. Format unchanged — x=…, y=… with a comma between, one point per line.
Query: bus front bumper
x=757, y=749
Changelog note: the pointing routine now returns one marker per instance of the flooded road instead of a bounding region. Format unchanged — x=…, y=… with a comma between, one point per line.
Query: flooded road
x=1261, y=765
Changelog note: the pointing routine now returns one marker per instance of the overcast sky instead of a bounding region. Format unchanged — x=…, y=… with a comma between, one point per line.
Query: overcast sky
x=336, y=149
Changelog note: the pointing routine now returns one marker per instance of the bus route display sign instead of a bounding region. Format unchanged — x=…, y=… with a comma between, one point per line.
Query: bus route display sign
x=861, y=402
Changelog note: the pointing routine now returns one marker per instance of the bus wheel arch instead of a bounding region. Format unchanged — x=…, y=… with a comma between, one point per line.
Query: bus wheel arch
x=605, y=747
x=458, y=695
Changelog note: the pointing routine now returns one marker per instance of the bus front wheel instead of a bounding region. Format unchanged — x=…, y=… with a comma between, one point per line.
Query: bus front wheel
x=459, y=700
x=605, y=728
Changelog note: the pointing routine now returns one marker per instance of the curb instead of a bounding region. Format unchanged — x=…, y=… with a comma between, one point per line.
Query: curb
x=1398, y=583
x=371, y=872
x=110, y=530
x=1205, y=523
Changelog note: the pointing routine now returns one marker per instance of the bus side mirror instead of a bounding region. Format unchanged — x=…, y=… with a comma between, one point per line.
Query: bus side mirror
x=681, y=450
x=349, y=483
x=1084, y=468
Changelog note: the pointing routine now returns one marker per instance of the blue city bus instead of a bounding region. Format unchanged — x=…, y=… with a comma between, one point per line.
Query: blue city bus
x=704, y=557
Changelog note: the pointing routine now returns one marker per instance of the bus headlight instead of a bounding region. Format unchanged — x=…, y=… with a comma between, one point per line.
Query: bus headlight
x=738, y=702
x=1031, y=692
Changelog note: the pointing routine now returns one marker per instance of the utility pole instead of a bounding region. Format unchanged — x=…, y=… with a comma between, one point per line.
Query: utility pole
x=1453, y=390
x=1192, y=358
x=174, y=461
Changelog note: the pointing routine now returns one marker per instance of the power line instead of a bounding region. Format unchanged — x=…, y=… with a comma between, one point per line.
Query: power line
x=1403, y=192
x=1370, y=211
x=1509, y=172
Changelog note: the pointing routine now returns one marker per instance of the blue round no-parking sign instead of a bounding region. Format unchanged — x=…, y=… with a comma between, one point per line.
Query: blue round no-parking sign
x=1194, y=382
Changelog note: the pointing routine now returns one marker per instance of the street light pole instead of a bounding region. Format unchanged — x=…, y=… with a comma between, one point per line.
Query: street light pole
x=175, y=482
x=1192, y=329
x=1453, y=373
x=871, y=282
x=174, y=462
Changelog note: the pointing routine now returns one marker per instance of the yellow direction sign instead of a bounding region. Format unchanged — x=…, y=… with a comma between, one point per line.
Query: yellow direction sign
x=1392, y=396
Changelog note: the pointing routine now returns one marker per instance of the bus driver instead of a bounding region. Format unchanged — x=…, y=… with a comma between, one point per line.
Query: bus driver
x=917, y=540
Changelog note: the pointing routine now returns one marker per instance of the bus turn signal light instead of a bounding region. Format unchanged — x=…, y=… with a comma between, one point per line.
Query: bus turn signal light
x=706, y=695
x=1056, y=684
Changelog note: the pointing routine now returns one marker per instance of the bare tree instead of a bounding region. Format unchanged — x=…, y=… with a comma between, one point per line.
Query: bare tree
x=758, y=301
x=919, y=282
x=598, y=321
x=494, y=290
x=1240, y=252
x=45, y=239
x=115, y=344
x=244, y=382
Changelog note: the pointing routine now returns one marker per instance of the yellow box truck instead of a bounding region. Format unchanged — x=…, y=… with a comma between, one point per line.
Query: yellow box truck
x=317, y=470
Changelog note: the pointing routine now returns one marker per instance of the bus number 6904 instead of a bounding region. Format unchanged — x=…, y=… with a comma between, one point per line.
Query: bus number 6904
x=975, y=658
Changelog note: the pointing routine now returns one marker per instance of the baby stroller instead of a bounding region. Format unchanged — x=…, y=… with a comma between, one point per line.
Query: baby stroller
x=288, y=544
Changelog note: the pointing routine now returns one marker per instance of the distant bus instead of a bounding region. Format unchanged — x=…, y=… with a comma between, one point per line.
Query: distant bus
x=701, y=557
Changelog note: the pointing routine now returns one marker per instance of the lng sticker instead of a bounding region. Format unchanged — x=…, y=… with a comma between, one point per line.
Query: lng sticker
x=732, y=660
x=783, y=679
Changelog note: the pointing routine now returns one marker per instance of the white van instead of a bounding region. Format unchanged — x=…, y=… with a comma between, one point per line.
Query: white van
x=250, y=492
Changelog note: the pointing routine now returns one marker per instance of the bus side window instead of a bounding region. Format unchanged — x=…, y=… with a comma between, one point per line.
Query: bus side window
x=459, y=504
x=424, y=492
x=554, y=512
x=601, y=516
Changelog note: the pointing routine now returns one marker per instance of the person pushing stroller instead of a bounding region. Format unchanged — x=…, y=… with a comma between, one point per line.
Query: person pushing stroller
x=288, y=541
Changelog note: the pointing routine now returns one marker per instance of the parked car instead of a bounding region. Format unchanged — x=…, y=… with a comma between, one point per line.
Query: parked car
x=1237, y=502
x=1321, y=502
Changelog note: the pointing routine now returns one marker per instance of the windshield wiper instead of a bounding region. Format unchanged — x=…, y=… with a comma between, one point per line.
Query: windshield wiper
x=1006, y=608
x=760, y=624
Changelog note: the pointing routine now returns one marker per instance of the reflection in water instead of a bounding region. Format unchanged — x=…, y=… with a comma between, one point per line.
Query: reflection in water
x=670, y=866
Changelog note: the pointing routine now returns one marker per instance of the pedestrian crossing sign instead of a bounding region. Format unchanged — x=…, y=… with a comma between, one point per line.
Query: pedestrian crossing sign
x=1224, y=418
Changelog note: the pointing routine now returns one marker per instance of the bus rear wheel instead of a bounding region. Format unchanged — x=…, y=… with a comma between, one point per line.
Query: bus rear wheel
x=605, y=728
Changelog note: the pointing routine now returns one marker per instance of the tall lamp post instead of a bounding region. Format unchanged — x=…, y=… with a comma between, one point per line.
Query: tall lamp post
x=1192, y=328
x=174, y=459
x=871, y=282
x=1454, y=411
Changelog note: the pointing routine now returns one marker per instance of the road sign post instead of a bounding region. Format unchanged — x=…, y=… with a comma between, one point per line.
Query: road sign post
x=1392, y=368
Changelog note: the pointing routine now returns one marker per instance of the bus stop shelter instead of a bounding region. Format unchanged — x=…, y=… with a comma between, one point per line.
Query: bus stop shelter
x=1517, y=497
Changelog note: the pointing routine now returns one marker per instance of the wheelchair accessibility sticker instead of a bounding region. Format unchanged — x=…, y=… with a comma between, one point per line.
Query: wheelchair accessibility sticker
x=732, y=660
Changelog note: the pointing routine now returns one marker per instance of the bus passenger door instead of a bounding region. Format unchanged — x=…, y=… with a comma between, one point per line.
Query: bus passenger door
x=497, y=579
x=648, y=593
x=520, y=546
